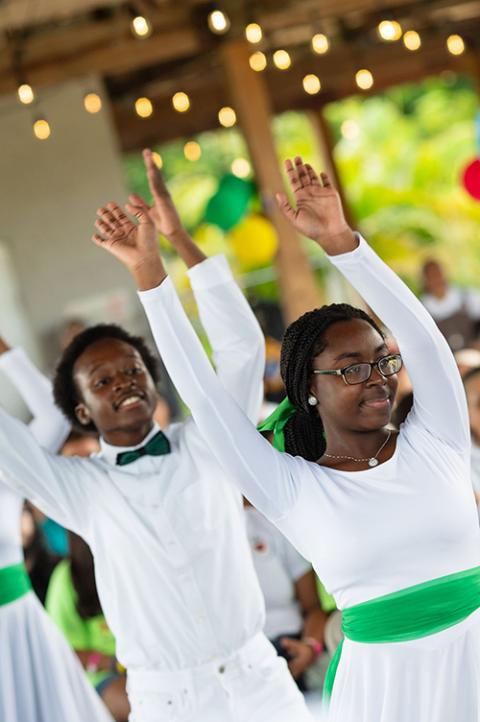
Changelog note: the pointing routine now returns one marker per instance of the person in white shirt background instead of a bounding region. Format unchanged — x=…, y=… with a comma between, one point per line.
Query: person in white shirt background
x=471, y=381
x=172, y=564
x=295, y=620
x=41, y=679
x=456, y=311
x=388, y=519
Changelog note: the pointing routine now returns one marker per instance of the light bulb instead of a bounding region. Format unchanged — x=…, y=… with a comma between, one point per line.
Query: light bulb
x=181, y=102
x=143, y=107
x=412, y=40
x=141, y=27
x=218, y=22
x=364, y=79
x=311, y=84
x=258, y=61
x=253, y=33
x=390, y=30
x=282, y=59
x=92, y=103
x=227, y=117
x=25, y=94
x=455, y=44
x=192, y=150
x=241, y=167
x=320, y=44
x=41, y=129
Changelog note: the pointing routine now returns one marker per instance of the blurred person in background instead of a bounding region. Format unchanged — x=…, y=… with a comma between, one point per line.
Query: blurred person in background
x=456, y=311
x=40, y=677
x=40, y=561
x=471, y=381
x=295, y=620
x=74, y=606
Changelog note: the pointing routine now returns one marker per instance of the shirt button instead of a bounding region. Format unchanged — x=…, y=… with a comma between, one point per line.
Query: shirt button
x=221, y=669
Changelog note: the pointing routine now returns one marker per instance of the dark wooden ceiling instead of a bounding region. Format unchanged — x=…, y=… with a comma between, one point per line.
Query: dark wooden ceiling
x=51, y=41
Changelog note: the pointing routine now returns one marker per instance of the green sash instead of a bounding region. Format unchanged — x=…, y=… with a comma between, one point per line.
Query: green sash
x=410, y=613
x=14, y=583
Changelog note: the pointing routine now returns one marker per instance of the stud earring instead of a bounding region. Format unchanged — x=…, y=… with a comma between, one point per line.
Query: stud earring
x=312, y=400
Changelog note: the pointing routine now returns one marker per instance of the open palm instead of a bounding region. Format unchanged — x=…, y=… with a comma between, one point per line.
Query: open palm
x=318, y=213
x=131, y=243
x=163, y=211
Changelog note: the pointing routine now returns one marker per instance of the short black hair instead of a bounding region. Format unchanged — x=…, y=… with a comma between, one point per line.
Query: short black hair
x=303, y=340
x=65, y=391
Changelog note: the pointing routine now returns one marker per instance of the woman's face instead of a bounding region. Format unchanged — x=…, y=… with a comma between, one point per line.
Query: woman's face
x=361, y=407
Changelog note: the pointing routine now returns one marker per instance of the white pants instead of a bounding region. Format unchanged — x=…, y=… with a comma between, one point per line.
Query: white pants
x=252, y=685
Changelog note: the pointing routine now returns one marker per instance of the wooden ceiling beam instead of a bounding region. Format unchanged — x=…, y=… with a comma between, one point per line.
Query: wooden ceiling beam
x=390, y=66
x=109, y=56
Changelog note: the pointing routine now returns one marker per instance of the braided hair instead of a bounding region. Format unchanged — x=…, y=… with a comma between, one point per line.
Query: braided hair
x=303, y=340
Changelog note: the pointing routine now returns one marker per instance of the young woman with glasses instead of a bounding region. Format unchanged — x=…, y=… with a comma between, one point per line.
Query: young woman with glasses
x=387, y=519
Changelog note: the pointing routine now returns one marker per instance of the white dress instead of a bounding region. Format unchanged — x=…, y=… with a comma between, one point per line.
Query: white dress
x=41, y=679
x=367, y=533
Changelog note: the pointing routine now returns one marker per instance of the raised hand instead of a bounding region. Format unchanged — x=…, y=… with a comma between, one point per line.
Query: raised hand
x=135, y=245
x=163, y=212
x=319, y=214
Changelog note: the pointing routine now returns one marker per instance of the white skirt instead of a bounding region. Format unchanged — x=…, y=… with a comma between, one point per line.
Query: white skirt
x=433, y=679
x=41, y=679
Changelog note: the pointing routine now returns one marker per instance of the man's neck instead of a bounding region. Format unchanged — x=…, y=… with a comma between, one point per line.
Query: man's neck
x=128, y=437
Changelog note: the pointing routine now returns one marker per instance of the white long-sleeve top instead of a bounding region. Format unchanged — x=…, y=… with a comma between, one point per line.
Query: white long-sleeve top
x=48, y=427
x=172, y=561
x=371, y=532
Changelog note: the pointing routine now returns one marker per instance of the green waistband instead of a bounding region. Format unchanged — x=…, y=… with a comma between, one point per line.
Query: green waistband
x=410, y=613
x=14, y=583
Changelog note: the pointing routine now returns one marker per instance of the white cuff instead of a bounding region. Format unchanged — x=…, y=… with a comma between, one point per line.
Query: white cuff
x=350, y=257
x=211, y=272
x=153, y=295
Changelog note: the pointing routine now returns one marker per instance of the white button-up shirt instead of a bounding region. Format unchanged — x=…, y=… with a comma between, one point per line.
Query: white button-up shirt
x=172, y=561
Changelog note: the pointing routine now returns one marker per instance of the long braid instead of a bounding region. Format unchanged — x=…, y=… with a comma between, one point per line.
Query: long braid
x=303, y=340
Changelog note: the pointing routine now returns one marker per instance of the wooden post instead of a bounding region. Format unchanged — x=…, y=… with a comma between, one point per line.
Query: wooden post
x=298, y=288
x=337, y=287
x=323, y=136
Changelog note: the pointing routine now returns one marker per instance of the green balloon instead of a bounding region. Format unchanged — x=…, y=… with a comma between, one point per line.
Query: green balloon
x=230, y=203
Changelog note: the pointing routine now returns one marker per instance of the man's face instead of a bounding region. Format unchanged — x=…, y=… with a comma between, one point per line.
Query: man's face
x=117, y=392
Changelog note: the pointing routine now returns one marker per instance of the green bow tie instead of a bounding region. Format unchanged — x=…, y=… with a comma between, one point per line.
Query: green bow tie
x=157, y=446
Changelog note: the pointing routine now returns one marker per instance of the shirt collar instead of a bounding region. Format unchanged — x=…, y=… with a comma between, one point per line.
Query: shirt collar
x=109, y=452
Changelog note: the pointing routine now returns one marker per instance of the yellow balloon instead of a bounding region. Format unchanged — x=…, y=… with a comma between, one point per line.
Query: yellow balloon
x=210, y=238
x=254, y=241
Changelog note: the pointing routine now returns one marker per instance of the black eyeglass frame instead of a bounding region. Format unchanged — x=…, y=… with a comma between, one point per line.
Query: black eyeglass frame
x=374, y=364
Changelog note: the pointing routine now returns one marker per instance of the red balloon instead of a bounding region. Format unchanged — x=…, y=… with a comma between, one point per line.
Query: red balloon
x=471, y=179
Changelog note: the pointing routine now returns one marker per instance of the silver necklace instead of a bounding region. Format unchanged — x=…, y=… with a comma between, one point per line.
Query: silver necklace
x=372, y=461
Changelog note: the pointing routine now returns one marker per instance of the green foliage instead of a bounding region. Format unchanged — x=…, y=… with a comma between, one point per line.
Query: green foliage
x=399, y=155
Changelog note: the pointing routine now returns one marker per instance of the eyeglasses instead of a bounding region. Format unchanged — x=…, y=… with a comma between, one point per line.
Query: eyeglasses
x=358, y=373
